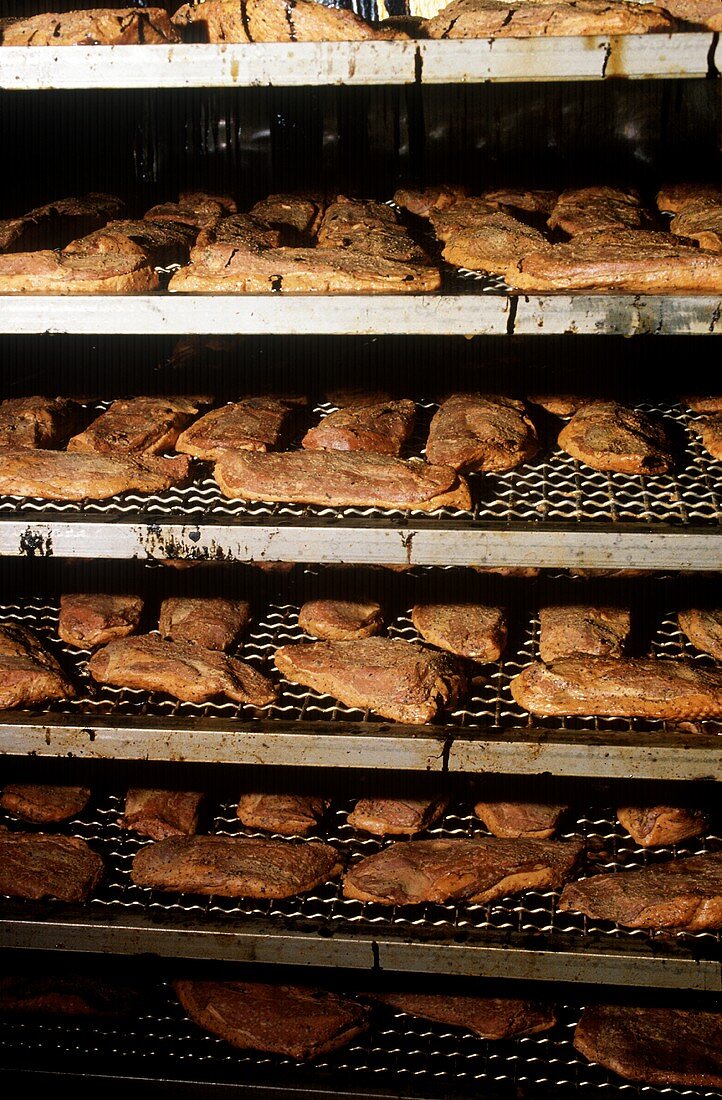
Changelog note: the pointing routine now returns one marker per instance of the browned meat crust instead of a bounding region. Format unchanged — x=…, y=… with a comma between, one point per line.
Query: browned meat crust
x=704, y=629
x=680, y=893
x=46, y=272
x=242, y=231
x=225, y=269
x=358, y=397
x=36, y=422
x=382, y=429
x=477, y=871
x=393, y=678
x=466, y=214
x=467, y=629
x=422, y=202
x=277, y=21
x=195, y=209
x=710, y=430
x=340, y=620
x=344, y=480
x=211, y=622
x=496, y=243
x=182, y=669
x=558, y=404
x=593, y=209
x=57, y=475
x=254, y=424
x=489, y=1017
x=143, y=425
x=509, y=19
x=611, y=437
x=287, y=814
x=39, y=865
x=93, y=27
x=28, y=673
x=623, y=688
x=699, y=13
x=472, y=432
x=235, y=867
x=296, y=216
x=653, y=825
x=658, y=1046
x=159, y=814
x=706, y=403
x=700, y=220
x=43, y=804
x=632, y=261
x=297, y=1021
x=370, y=227
x=529, y=202
x=672, y=198
x=56, y=223
x=87, y=621
x=397, y=816
x=161, y=242
x=520, y=820
x=565, y=630
x=66, y=995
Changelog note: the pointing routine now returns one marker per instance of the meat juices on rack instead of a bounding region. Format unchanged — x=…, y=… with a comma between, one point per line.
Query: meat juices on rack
x=88, y=620
x=214, y=623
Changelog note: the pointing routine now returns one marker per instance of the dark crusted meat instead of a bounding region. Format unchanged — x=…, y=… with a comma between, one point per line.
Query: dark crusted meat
x=28, y=673
x=211, y=622
x=287, y=814
x=296, y=216
x=704, y=629
x=159, y=814
x=75, y=995
x=242, y=231
x=700, y=220
x=235, y=867
x=94, y=619
x=592, y=209
x=673, y=197
x=525, y=820
x=56, y=223
x=254, y=424
x=496, y=243
x=611, y=437
x=162, y=243
x=510, y=19
x=93, y=27
x=36, y=422
x=653, y=825
x=393, y=678
x=47, y=272
x=397, y=816
x=276, y=21
x=423, y=202
x=579, y=628
x=382, y=428
x=490, y=1017
x=467, y=629
x=38, y=865
x=43, y=804
x=475, y=432
x=141, y=425
x=340, y=620
x=369, y=227
x=710, y=430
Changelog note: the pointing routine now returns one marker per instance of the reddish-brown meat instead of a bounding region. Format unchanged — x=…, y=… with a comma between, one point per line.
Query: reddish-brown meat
x=90, y=620
x=182, y=669
x=275, y=21
x=159, y=814
x=56, y=475
x=490, y=1017
x=92, y=27
x=28, y=673
x=44, y=804
x=162, y=243
x=703, y=627
x=287, y=814
x=611, y=437
x=297, y=1021
x=558, y=404
x=254, y=424
x=141, y=425
x=46, y=272
x=477, y=871
x=673, y=197
x=467, y=629
x=235, y=867
x=296, y=216
x=393, y=678
x=242, y=231
x=397, y=816
x=509, y=19
x=75, y=995
x=56, y=223
x=341, y=620
x=382, y=429
x=710, y=430
x=567, y=629
x=653, y=825
x=525, y=820
x=495, y=242
x=38, y=865
x=624, y=688
x=700, y=220
x=422, y=202
x=473, y=432
x=592, y=209
x=36, y=422
x=211, y=622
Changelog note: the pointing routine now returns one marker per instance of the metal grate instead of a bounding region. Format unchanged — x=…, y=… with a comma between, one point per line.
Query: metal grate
x=607, y=847
x=553, y=487
x=399, y=1051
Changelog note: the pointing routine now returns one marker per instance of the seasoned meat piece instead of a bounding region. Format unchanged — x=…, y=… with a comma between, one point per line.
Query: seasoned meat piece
x=508, y=570
x=703, y=404
x=591, y=209
x=224, y=269
x=439, y=197
x=56, y=223
x=520, y=820
x=623, y=688
x=382, y=429
x=213, y=623
x=489, y=1017
x=513, y=19
x=235, y=867
x=467, y=629
x=46, y=272
x=704, y=630
x=653, y=825
x=87, y=621
x=340, y=620
x=56, y=475
x=142, y=425
x=710, y=431
x=75, y=995
x=657, y=1046
x=465, y=215
x=294, y=1020
x=276, y=21
x=194, y=209
x=297, y=216
x=159, y=814
x=559, y=404
x=700, y=220
x=162, y=243
x=529, y=202
x=397, y=816
x=254, y=424
x=621, y=261
x=700, y=13
x=478, y=871
x=28, y=673
x=393, y=678
x=36, y=422
x=600, y=631
x=92, y=27
x=680, y=893
x=182, y=669
x=672, y=198
x=40, y=865
x=472, y=432
x=497, y=244
x=43, y=804
x=242, y=231
x=611, y=437
x=358, y=398
x=369, y=227
x=287, y=814
x=345, y=480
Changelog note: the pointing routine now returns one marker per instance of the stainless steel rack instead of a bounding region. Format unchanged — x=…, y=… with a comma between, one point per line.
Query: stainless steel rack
x=519, y=937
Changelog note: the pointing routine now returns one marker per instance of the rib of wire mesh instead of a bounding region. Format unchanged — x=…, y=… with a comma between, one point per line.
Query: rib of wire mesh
x=607, y=848
x=487, y=704
x=552, y=486
x=397, y=1050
